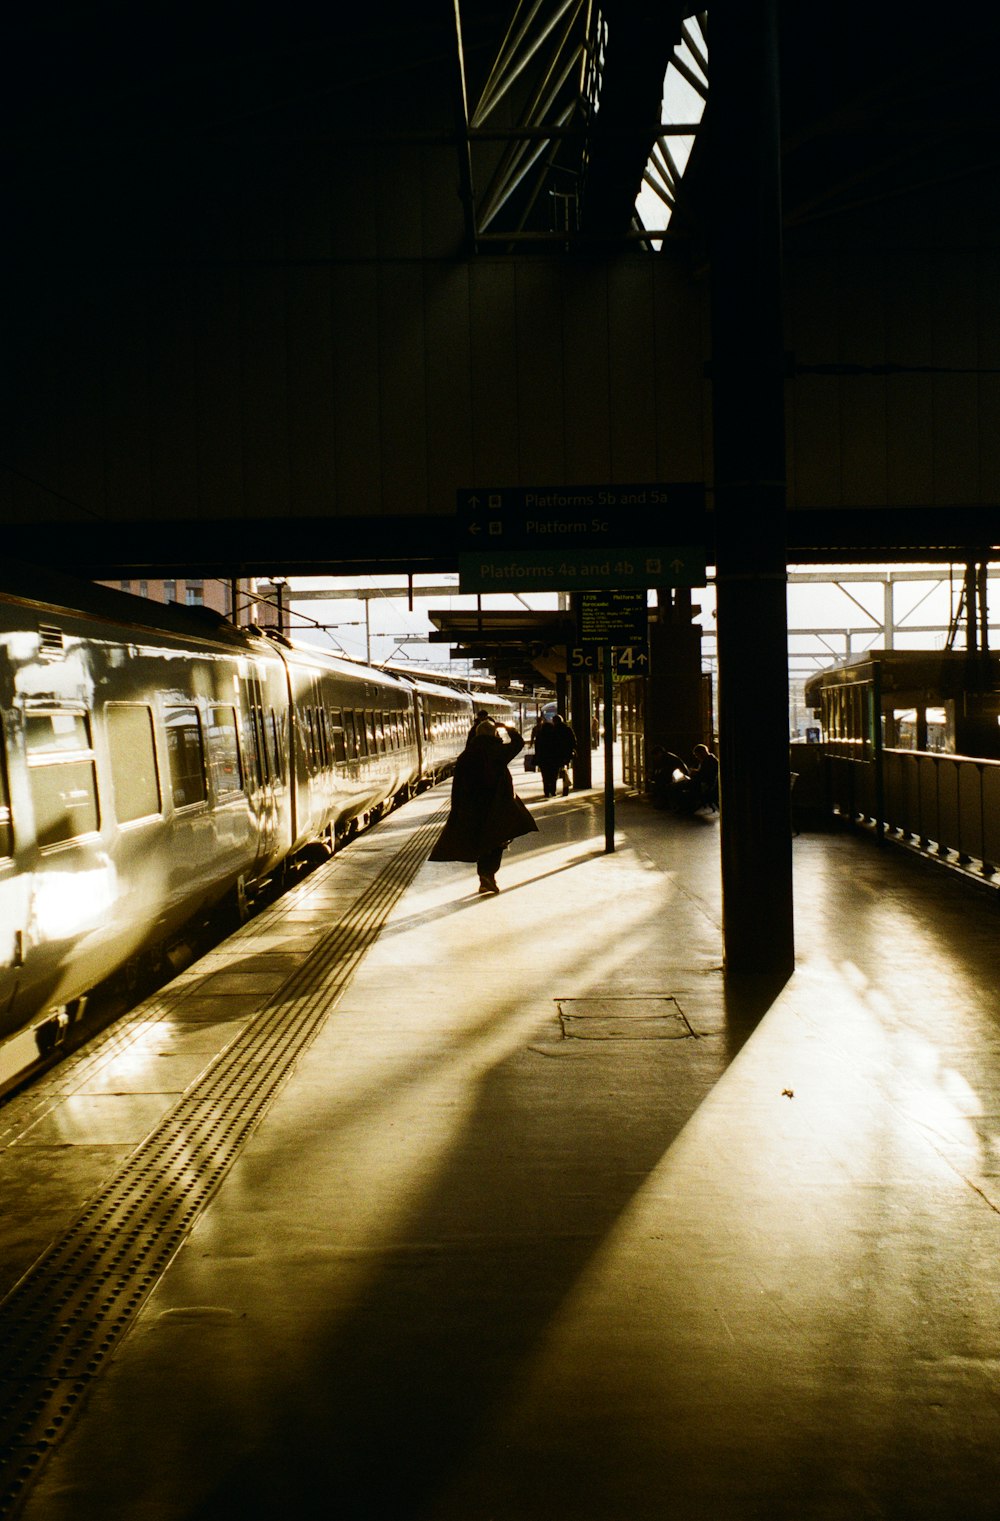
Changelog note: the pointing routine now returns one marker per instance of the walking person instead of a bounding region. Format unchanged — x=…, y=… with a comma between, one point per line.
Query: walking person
x=565, y=749
x=547, y=747
x=486, y=813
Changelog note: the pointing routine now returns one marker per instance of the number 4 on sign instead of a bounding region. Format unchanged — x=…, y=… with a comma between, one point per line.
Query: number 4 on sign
x=632, y=658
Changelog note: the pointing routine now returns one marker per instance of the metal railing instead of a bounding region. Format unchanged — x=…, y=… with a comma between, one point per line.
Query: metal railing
x=946, y=805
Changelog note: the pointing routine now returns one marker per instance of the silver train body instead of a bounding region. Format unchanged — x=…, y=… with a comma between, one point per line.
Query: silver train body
x=156, y=762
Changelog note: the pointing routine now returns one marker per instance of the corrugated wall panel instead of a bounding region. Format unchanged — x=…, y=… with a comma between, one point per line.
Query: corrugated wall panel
x=861, y=305
x=266, y=485
x=813, y=417
x=63, y=398
x=312, y=462
x=988, y=274
x=495, y=401
x=308, y=179
x=173, y=412
x=633, y=399
x=220, y=393
x=398, y=203
x=683, y=395
x=909, y=398
x=955, y=300
x=402, y=387
x=448, y=369
x=587, y=373
x=538, y=324
x=906, y=439
x=356, y=391
x=127, y=401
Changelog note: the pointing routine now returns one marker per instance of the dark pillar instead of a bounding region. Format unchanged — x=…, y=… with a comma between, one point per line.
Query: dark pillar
x=749, y=460
x=674, y=688
x=580, y=720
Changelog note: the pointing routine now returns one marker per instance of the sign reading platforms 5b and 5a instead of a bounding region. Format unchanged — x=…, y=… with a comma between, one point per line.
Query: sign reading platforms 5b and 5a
x=500, y=518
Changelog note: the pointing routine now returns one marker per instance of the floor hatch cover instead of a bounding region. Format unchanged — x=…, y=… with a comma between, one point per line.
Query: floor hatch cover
x=643, y=1016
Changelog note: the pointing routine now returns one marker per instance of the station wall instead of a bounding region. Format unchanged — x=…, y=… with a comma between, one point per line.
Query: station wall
x=282, y=360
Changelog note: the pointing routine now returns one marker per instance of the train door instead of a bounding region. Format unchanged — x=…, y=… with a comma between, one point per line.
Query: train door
x=263, y=768
x=13, y=906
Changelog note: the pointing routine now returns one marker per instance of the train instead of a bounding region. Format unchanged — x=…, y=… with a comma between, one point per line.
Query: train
x=910, y=750
x=160, y=765
x=942, y=701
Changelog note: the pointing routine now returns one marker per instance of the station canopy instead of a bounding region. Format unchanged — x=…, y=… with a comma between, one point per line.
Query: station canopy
x=517, y=646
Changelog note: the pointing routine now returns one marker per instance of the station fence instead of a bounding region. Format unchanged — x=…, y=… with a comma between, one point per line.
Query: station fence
x=946, y=805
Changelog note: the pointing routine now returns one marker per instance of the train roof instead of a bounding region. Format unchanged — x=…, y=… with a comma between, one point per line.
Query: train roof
x=944, y=672
x=329, y=660
x=49, y=591
x=469, y=686
x=426, y=684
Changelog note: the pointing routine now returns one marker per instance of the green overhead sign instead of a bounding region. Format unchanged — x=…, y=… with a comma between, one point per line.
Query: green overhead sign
x=581, y=569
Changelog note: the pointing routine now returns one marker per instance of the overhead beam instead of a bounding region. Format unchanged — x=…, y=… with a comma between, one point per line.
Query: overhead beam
x=104, y=549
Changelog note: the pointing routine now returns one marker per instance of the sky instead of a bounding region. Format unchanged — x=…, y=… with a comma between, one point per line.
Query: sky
x=828, y=619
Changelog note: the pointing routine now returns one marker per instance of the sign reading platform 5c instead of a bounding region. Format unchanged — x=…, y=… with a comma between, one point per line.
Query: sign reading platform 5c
x=581, y=569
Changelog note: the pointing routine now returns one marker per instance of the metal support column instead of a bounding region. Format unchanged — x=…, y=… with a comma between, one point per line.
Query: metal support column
x=580, y=720
x=747, y=372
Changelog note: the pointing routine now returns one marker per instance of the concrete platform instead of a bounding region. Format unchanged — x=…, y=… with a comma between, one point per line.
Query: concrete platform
x=544, y=1221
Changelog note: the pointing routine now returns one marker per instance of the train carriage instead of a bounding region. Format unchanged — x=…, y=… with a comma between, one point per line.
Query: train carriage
x=157, y=762
x=911, y=750
x=134, y=797
x=354, y=748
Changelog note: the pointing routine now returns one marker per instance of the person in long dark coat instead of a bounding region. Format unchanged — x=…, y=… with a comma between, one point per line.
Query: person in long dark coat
x=548, y=752
x=486, y=813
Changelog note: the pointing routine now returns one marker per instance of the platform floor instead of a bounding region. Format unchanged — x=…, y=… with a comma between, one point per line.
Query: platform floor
x=523, y=1215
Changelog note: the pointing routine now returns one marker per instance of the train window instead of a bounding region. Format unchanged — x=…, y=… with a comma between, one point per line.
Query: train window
x=49, y=733
x=371, y=744
x=224, y=752
x=256, y=760
x=310, y=739
x=324, y=738
x=379, y=732
x=6, y=833
x=338, y=735
x=277, y=749
x=186, y=756
x=62, y=775
x=135, y=777
x=350, y=735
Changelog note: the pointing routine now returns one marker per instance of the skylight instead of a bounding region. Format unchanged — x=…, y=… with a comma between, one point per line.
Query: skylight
x=685, y=91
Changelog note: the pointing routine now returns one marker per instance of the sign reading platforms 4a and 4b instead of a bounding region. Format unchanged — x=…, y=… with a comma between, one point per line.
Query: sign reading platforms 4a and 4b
x=581, y=569
x=580, y=538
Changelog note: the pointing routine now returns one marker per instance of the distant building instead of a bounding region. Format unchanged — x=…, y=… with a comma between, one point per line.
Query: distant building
x=194, y=592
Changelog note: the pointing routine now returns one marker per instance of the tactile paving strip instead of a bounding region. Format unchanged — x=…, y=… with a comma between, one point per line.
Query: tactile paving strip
x=68, y=1312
